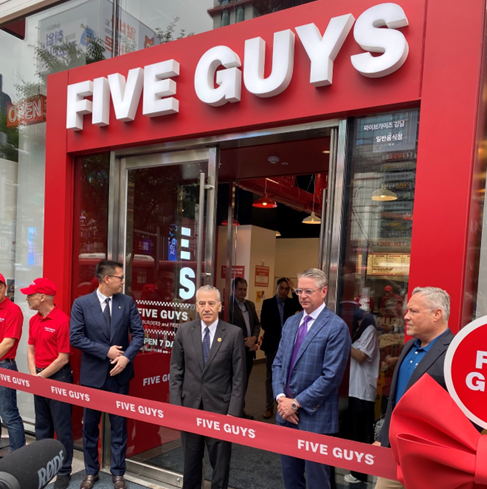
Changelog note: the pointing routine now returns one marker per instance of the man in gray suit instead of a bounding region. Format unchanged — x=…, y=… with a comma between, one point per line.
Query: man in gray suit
x=208, y=373
x=426, y=320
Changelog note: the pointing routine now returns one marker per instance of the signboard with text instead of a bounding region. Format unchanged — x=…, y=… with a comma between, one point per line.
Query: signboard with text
x=261, y=276
x=466, y=370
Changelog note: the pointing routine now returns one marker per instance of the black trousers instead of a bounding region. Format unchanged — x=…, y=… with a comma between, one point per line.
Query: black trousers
x=361, y=424
x=219, y=452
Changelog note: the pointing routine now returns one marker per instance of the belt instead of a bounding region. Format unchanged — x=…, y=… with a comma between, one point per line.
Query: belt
x=66, y=367
x=10, y=361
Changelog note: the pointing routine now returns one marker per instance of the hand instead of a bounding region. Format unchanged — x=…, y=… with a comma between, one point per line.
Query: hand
x=120, y=363
x=115, y=351
x=284, y=408
x=250, y=341
x=377, y=443
x=291, y=283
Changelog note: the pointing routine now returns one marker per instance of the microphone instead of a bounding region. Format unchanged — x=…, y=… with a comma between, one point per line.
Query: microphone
x=32, y=466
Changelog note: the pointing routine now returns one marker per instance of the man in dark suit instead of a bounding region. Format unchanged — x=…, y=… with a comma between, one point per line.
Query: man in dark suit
x=242, y=314
x=101, y=323
x=426, y=320
x=306, y=374
x=275, y=312
x=207, y=372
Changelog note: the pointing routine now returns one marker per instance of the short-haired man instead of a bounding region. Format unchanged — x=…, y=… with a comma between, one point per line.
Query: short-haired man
x=426, y=320
x=207, y=372
x=242, y=314
x=101, y=325
x=11, y=320
x=306, y=374
x=48, y=357
x=275, y=312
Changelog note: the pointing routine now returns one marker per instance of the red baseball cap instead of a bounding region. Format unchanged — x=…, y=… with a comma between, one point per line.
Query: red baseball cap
x=2, y=279
x=388, y=288
x=41, y=286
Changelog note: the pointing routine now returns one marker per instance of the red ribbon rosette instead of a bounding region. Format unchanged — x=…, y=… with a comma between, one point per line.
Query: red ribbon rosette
x=434, y=444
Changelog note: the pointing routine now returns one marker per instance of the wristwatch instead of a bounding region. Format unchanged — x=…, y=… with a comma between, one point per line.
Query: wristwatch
x=294, y=405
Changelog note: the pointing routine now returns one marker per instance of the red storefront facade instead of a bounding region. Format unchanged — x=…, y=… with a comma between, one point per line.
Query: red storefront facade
x=440, y=75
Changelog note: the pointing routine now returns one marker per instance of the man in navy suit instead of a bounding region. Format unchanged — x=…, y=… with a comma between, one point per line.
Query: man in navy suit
x=307, y=371
x=275, y=312
x=427, y=323
x=101, y=323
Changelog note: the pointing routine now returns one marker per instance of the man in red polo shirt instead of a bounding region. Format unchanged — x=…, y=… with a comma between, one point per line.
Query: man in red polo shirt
x=48, y=357
x=11, y=319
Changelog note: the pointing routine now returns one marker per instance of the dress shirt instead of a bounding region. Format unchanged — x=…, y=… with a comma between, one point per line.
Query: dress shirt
x=212, y=328
x=102, y=300
x=313, y=315
x=410, y=362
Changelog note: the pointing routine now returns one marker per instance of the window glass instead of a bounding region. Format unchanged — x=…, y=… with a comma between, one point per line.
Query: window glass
x=374, y=274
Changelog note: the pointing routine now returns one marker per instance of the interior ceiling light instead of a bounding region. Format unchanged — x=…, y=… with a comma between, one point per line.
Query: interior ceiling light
x=278, y=234
x=383, y=195
x=265, y=202
x=326, y=151
x=312, y=218
x=273, y=159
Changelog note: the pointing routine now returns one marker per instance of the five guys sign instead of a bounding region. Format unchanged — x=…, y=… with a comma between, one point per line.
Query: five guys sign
x=221, y=74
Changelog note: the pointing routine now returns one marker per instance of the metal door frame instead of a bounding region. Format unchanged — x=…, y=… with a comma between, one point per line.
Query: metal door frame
x=207, y=149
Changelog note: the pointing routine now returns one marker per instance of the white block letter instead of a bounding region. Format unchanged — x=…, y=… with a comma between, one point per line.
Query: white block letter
x=481, y=359
x=126, y=95
x=229, y=80
x=282, y=65
x=322, y=51
x=101, y=102
x=157, y=84
x=77, y=105
x=371, y=38
x=476, y=382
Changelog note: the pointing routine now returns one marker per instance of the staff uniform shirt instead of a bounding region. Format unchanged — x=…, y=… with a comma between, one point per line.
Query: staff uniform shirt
x=11, y=320
x=363, y=376
x=49, y=336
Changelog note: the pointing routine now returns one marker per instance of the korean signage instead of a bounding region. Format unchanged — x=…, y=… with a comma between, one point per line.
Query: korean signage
x=92, y=21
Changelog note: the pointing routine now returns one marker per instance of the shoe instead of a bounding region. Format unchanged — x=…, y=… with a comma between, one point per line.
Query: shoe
x=247, y=416
x=89, y=481
x=269, y=413
x=351, y=479
x=62, y=481
x=119, y=482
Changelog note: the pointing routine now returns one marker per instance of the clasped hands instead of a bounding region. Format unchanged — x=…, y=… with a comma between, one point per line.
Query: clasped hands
x=285, y=410
x=115, y=354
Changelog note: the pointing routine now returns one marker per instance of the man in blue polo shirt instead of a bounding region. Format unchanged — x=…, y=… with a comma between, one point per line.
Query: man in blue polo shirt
x=426, y=320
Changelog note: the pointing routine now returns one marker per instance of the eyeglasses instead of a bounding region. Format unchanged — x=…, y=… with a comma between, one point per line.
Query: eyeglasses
x=305, y=291
x=121, y=277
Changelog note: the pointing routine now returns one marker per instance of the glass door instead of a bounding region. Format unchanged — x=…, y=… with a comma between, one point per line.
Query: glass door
x=166, y=242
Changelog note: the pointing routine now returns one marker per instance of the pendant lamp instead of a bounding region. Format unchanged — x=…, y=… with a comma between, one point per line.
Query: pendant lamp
x=383, y=195
x=265, y=202
x=312, y=218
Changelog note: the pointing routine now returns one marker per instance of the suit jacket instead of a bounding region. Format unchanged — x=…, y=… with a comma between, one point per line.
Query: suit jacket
x=218, y=386
x=317, y=371
x=271, y=320
x=89, y=333
x=236, y=317
x=432, y=364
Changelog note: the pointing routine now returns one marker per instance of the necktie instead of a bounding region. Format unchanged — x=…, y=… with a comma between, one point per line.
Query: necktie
x=106, y=314
x=280, y=305
x=206, y=345
x=303, y=329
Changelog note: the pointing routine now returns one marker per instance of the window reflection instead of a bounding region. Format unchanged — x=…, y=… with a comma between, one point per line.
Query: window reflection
x=375, y=273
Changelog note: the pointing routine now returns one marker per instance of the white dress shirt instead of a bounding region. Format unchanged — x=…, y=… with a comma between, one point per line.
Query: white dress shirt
x=212, y=328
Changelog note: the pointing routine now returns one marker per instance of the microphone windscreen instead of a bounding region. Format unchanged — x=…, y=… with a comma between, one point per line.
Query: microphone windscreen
x=34, y=465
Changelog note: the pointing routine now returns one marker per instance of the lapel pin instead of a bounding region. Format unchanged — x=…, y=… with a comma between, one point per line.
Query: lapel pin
x=219, y=340
x=120, y=307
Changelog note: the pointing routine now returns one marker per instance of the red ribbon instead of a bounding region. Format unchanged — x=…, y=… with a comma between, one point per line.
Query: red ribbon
x=325, y=449
x=434, y=443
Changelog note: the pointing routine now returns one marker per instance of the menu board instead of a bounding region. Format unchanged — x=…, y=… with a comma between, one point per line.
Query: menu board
x=386, y=263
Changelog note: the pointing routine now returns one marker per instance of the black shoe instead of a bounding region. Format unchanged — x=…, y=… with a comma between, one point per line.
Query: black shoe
x=247, y=416
x=62, y=481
